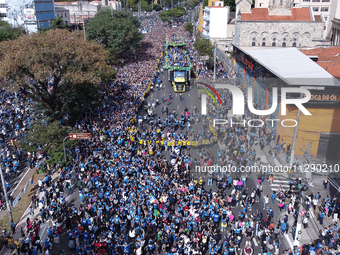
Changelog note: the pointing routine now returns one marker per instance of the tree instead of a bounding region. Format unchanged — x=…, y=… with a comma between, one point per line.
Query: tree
x=173, y=13
x=231, y=4
x=191, y=3
x=49, y=140
x=119, y=32
x=55, y=69
x=9, y=32
x=189, y=27
x=203, y=46
x=59, y=23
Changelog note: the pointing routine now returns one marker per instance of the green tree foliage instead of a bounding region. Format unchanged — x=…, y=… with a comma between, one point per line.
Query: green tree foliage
x=58, y=23
x=118, y=31
x=48, y=139
x=9, y=32
x=173, y=13
x=157, y=7
x=191, y=3
x=231, y=4
x=205, y=3
x=188, y=27
x=57, y=69
x=204, y=47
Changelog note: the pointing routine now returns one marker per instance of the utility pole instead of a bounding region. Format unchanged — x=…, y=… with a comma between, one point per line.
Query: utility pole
x=64, y=148
x=5, y=193
x=215, y=62
x=292, y=154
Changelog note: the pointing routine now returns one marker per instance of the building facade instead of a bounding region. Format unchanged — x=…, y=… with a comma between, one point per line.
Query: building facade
x=44, y=11
x=62, y=13
x=3, y=10
x=263, y=68
x=79, y=11
x=278, y=25
x=326, y=8
x=215, y=21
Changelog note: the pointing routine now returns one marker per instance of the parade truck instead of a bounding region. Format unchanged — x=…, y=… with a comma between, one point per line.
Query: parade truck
x=179, y=79
x=177, y=62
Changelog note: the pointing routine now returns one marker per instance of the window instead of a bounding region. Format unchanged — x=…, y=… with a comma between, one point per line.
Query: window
x=324, y=28
x=306, y=0
x=65, y=22
x=263, y=44
x=273, y=2
x=284, y=44
x=316, y=1
x=274, y=44
x=281, y=2
x=264, y=39
x=326, y=18
x=294, y=44
x=261, y=4
x=284, y=39
x=2, y=5
x=65, y=15
x=58, y=15
x=253, y=44
x=274, y=39
x=254, y=39
x=3, y=15
x=324, y=9
x=326, y=1
x=315, y=9
x=294, y=39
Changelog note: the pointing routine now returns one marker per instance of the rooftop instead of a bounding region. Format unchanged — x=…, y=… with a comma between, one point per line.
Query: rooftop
x=262, y=14
x=328, y=58
x=292, y=66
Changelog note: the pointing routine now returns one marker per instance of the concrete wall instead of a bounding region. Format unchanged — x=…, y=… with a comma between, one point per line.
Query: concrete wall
x=218, y=22
x=64, y=14
x=247, y=32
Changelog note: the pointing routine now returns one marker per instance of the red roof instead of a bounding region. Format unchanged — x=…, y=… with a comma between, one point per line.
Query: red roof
x=262, y=14
x=329, y=58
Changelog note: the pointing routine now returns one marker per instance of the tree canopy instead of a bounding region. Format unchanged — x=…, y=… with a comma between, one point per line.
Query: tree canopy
x=49, y=140
x=203, y=46
x=117, y=30
x=191, y=3
x=56, y=69
x=189, y=27
x=9, y=32
x=173, y=13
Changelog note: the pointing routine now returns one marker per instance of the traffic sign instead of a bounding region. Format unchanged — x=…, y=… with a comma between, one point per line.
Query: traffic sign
x=78, y=136
x=301, y=213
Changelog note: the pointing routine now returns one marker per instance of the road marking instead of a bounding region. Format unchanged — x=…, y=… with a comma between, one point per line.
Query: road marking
x=151, y=96
x=289, y=242
x=177, y=106
x=255, y=242
x=189, y=94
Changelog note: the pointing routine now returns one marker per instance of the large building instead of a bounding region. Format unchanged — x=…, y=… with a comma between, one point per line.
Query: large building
x=325, y=8
x=215, y=21
x=265, y=68
x=80, y=11
x=3, y=10
x=62, y=13
x=278, y=25
x=44, y=11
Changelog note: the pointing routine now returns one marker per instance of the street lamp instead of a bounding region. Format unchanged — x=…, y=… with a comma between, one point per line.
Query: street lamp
x=64, y=148
x=5, y=193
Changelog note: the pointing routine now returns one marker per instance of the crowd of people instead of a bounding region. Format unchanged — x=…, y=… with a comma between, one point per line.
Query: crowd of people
x=133, y=201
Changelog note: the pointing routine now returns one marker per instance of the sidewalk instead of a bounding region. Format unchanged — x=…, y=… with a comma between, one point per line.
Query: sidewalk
x=22, y=222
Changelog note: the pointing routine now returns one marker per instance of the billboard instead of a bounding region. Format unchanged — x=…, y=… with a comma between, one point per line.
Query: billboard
x=22, y=12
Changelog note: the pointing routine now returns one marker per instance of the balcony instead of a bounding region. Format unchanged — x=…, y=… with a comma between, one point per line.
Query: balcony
x=206, y=9
x=206, y=18
x=206, y=27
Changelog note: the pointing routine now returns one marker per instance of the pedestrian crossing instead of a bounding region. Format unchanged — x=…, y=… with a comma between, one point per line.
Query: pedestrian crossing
x=283, y=183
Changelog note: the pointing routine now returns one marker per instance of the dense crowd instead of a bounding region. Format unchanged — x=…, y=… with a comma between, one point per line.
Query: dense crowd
x=135, y=202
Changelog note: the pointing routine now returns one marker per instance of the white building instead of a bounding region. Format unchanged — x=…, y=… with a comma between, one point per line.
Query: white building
x=215, y=21
x=63, y=13
x=3, y=10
